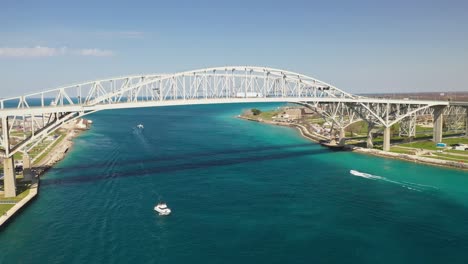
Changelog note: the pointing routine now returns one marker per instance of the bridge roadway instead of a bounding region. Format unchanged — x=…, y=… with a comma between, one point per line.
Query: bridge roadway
x=38, y=110
x=220, y=85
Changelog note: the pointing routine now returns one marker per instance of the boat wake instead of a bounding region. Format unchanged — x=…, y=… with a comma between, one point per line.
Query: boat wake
x=138, y=132
x=407, y=185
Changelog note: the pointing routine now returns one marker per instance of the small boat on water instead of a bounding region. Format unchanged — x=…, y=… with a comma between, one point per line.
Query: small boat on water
x=140, y=126
x=162, y=209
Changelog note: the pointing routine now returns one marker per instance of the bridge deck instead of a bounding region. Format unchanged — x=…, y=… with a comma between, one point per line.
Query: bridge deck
x=121, y=105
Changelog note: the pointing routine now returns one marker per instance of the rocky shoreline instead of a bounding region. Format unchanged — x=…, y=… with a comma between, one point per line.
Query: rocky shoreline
x=58, y=152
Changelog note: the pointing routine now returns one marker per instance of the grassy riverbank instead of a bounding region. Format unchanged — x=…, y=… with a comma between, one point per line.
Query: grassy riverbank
x=43, y=155
x=22, y=189
x=420, y=148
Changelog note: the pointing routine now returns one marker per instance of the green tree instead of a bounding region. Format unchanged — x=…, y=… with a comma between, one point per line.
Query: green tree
x=256, y=111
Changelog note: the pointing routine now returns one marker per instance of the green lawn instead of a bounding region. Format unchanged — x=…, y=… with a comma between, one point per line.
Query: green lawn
x=457, y=151
x=447, y=157
x=5, y=207
x=451, y=156
x=450, y=141
x=427, y=144
x=18, y=156
x=23, y=188
x=421, y=144
x=401, y=150
x=57, y=141
x=42, y=145
x=268, y=115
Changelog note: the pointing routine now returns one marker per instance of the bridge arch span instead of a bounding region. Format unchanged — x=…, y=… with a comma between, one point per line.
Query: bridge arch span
x=227, y=84
x=43, y=112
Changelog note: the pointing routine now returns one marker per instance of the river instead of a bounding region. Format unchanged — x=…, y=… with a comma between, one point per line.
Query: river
x=240, y=192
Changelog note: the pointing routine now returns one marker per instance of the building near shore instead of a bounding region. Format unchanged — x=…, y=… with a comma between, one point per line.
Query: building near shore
x=290, y=113
x=83, y=124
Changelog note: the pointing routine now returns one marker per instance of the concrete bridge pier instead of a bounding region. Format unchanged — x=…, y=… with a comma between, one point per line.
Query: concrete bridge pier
x=9, y=177
x=342, y=136
x=466, y=123
x=342, y=132
x=27, y=173
x=386, y=138
x=369, y=142
x=438, y=122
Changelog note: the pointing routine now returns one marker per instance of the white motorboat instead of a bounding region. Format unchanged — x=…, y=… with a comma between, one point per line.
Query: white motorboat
x=140, y=126
x=162, y=209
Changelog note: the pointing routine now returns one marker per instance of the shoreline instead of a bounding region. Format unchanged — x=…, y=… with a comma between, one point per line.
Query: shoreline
x=304, y=131
x=56, y=154
x=59, y=151
x=373, y=152
x=9, y=215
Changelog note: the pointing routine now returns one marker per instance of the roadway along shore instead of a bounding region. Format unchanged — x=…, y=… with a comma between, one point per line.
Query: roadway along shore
x=375, y=152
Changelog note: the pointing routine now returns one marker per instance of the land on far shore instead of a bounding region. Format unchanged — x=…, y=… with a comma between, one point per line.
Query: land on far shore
x=444, y=96
x=417, y=148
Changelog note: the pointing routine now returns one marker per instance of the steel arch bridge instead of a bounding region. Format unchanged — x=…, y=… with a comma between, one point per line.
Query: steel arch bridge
x=45, y=111
x=39, y=114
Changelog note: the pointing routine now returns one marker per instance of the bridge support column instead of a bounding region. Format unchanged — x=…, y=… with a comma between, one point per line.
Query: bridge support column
x=369, y=142
x=466, y=123
x=342, y=136
x=342, y=132
x=27, y=173
x=438, y=122
x=386, y=139
x=9, y=177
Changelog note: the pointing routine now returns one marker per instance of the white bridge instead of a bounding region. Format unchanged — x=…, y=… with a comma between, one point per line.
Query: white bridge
x=39, y=114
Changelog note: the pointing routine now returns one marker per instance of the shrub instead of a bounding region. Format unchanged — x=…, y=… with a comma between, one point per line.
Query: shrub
x=256, y=111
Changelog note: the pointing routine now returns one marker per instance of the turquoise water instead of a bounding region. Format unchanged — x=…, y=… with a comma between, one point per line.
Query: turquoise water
x=240, y=192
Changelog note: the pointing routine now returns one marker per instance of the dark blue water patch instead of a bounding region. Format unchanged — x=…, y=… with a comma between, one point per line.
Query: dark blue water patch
x=178, y=167
x=182, y=157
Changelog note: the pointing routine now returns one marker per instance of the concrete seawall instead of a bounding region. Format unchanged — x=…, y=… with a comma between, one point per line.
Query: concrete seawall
x=413, y=158
x=12, y=212
x=56, y=154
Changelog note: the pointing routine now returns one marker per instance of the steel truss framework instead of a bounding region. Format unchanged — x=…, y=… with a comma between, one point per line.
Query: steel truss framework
x=408, y=126
x=39, y=114
x=454, y=119
x=341, y=115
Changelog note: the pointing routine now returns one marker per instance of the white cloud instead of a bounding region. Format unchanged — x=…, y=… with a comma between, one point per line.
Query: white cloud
x=40, y=51
x=37, y=51
x=95, y=52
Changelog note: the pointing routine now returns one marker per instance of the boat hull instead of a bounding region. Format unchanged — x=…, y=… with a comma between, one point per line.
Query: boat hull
x=165, y=211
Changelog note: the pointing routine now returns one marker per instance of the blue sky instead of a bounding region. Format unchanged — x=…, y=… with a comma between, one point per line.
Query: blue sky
x=359, y=46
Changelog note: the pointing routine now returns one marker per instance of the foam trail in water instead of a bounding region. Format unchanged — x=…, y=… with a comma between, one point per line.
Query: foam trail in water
x=365, y=175
x=407, y=185
x=421, y=185
x=143, y=140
